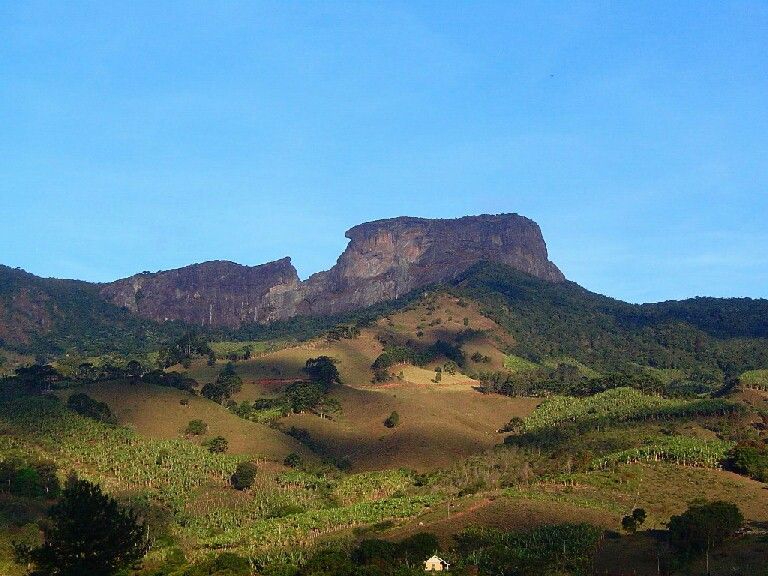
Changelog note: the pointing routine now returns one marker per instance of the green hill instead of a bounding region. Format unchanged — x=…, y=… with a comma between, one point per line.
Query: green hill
x=47, y=316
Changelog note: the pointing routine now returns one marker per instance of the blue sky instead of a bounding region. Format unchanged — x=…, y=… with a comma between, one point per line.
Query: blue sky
x=150, y=135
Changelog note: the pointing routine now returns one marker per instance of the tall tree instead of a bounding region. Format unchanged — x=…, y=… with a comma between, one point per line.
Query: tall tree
x=89, y=533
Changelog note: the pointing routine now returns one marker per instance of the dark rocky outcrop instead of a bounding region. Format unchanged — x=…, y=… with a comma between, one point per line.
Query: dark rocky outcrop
x=215, y=293
x=384, y=260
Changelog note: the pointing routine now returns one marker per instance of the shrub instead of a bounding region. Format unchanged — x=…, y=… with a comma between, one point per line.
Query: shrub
x=217, y=445
x=392, y=420
x=515, y=425
x=293, y=460
x=196, y=428
x=244, y=476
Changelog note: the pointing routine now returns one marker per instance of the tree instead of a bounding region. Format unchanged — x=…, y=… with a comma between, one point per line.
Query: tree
x=89, y=533
x=244, y=475
x=182, y=350
x=226, y=384
x=629, y=524
x=217, y=445
x=632, y=522
x=704, y=526
x=323, y=370
x=36, y=379
x=134, y=369
x=639, y=515
x=392, y=420
x=303, y=396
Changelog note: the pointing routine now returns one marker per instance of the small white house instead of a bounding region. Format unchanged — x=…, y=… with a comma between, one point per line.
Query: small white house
x=435, y=564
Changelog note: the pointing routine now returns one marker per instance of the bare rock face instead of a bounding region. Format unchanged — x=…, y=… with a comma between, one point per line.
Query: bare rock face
x=388, y=258
x=215, y=293
x=384, y=260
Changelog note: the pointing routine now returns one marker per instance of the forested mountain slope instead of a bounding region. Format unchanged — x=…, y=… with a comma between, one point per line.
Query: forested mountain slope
x=729, y=334
x=51, y=316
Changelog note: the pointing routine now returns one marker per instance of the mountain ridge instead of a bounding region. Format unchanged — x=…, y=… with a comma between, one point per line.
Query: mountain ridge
x=383, y=260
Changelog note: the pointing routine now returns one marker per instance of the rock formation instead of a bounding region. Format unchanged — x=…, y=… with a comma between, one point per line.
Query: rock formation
x=215, y=293
x=383, y=260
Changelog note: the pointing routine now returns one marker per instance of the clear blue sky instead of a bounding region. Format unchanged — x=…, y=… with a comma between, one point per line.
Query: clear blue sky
x=150, y=135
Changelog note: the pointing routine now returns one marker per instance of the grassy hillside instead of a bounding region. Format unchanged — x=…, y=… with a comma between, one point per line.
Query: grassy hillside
x=439, y=422
x=157, y=412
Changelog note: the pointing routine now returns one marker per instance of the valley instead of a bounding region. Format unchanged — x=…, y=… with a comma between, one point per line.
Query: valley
x=473, y=416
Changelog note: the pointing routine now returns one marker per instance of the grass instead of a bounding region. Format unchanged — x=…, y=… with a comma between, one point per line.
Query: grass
x=617, y=405
x=439, y=422
x=755, y=379
x=598, y=497
x=437, y=425
x=157, y=412
x=518, y=364
x=223, y=348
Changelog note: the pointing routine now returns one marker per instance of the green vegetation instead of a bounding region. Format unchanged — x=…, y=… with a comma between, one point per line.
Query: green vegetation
x=77, y=319
x=183, y=350
x=226, y=384
x=755, y=379
x=517, y=364
x=244, y=475
x=31, y=478
x=556, y=549
x=751, y=459
x=196, y=428
x=88, y=533
x=392, y=420
x=418, y=357
x=633, y=521
x=87, y=406
x=704, y=526
x=619, y=405
x=682, y=450
x=216, y=445
x=607, y=407
x=323, y=370
x=552, y=320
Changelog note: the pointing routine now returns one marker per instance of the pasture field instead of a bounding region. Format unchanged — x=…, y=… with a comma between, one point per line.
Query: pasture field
x=157, y=412
x=437, y=425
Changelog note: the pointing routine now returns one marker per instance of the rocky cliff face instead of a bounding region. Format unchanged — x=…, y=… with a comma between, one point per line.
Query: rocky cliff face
x=212, y=294
x=388, y=258
x=384, y=260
